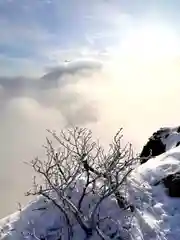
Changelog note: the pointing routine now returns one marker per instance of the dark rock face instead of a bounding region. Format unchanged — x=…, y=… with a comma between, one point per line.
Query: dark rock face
x=172, y=184
x=178, y=129
x=154, y=146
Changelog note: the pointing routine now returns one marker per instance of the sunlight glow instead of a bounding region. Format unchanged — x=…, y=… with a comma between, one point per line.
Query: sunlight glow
x=150, y=41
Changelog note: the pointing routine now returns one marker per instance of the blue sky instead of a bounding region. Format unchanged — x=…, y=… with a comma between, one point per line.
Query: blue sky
x=38, y=33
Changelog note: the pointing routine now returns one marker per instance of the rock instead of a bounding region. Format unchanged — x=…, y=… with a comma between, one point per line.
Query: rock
x=154, y=146
x=178, y=129
x=156, y=143
x=172, y=184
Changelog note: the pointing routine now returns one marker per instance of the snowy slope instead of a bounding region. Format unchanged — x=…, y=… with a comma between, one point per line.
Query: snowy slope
x=40, y=219
x=156, y=215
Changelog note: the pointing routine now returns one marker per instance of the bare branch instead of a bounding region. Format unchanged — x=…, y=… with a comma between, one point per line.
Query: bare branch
x=79, y=158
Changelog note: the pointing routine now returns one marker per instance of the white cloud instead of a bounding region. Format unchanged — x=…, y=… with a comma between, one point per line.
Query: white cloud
x=22, y=125
x=28, y=108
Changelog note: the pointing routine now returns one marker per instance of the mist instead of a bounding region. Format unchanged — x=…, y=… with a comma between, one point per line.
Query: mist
x=139, y=96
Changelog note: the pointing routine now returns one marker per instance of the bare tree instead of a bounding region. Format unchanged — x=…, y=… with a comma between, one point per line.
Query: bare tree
x=79, y=159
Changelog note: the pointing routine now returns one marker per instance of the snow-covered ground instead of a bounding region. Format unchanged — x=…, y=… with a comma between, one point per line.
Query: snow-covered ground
x=156, y=215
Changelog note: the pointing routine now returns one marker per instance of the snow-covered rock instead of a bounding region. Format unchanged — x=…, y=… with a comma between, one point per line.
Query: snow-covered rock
x=156, y=215
x=161, y=141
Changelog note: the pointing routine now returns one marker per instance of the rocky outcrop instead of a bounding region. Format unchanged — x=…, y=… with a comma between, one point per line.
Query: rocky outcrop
x=156, y=146
x=172, y=184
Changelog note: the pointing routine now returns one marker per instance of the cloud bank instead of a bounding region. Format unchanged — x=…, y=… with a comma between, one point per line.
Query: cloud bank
x=28, y=108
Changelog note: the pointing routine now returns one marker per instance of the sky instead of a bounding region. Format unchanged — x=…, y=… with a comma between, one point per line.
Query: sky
x=101, y=64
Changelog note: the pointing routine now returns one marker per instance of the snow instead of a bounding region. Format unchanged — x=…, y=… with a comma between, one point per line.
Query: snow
x=31, y=222
x=156, y=215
